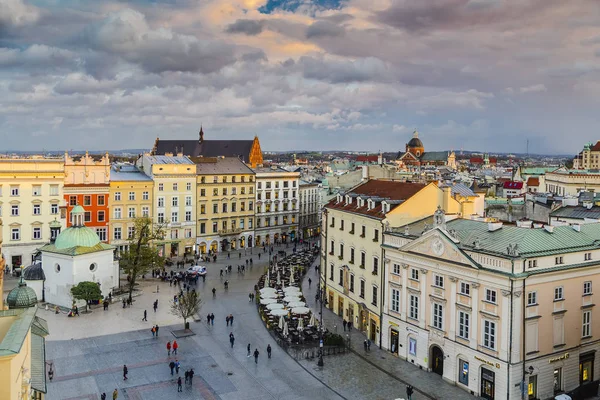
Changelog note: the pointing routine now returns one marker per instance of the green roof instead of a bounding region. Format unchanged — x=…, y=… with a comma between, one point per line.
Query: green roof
x=22, y=296
x=76, y=236
x=13, y=340
x=77, y=250
x=77, y=210
x=38, y=363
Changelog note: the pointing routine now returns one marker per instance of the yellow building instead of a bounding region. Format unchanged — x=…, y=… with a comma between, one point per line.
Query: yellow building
x=173, y=201
x=225, y=207
x=31, y=194
x=2, y=267
x=130, y=196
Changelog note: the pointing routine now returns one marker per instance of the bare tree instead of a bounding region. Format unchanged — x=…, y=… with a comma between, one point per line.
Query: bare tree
x=186, y=306
x=141, y=256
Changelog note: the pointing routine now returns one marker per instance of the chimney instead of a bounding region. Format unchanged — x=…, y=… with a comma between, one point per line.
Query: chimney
x=494, y=226
x=576, y=227
x=447, y=197
x=549, y=228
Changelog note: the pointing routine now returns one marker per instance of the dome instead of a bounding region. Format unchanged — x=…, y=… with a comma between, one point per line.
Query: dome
x=22, y=296
x=34, y=272
x=76, y=236
x=415, y=141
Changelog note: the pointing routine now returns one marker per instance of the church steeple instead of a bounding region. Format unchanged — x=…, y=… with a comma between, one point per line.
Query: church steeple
x=201, y=135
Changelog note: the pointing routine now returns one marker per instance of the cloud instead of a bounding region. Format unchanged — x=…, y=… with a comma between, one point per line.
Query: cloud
x=37, y=56
x=323, y=29
x=399, y=128
x=15, y=13
x=470, y=99
x=540, y=87
x=246, y=26
x=334, y=71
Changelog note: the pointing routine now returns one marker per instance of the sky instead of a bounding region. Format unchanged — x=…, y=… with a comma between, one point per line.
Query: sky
x=361, y=75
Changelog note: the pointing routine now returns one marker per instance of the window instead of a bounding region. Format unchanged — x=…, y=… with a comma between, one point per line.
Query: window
x=241, y=223
x=215, y=227
x=160, y=217
x=145, y=211
x=363, y=259
x=586, y=327
x=351, y=285
x=558, y=260
x=175, y=201
x=587, y=256
x=117, y=233
x=489, y=334
x=341, y=225
x=53, y=190
x=87, y=200
x=332, y=222
x=175, y=187
x=376, y=235
x=532, y=298
x=395, y=303
x=131, y=212
x=188, y=233
x=224, y=191
x=532, y=263
x=54, y=208
x=490, y=296
x=131, y=196
x=188, y=216
x=438, y=281
x=117, y=197
x=161, y=187
x=224, y=207
x=463, y=324
x=174, y=234
x=558, y=293
x=375, y=265
x=161, y=202
x=73, y=200
x=215, y=208
x=36, y=190
x=101, y=216
x=215, y=191
x=341, y=250
x=587, y=288
x=465, y=289
x=130, y=232
x=15, y=234
x=331, y=272
x=224, y=179
x=100, y=200
x=233, y=207
x=363, y=231
x=413, y=311
x=145, y=195
x=352, y=229
x=174, y=216
x=414, y=274
x=87, y=216
x=188, y=200
x=250, y=206
x=37, y=233
x=14, y=210
x=341, y=281
x=37, y=209
x=362, y=289
x=202, y=228
x=249, y=223
x=374, y=299
x=101, y=232
x=188, y=186
x=438, y=316
x=117, y=213
x=14, y=191
x=202, y=192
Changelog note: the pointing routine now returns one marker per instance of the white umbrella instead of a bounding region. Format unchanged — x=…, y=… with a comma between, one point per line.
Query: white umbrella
x=278, y=278
x=301, y=324
x=293, y=304
x=291, y=290
x=267, y=301
x=292, y=276
x=274, y=306
x=268, y=290
x=285, y=329
x=313, y=320
x=267, y=281
x=281, y=322
x=269, y=296
x=283, y=284
x=279, y=313
x=290, y=299
x=300, y=310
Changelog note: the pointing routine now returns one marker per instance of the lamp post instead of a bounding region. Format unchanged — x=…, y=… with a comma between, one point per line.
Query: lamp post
x=323, y=290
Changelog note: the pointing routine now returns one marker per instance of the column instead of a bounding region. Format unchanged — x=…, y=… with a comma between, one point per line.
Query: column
x=452, y=307
x=475, y=315
x=424, y=304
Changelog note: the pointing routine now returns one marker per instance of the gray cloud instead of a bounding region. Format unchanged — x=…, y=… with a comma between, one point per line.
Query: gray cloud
x=15, y=14
x=246, y=26
x=367, y=69
x=322, y=29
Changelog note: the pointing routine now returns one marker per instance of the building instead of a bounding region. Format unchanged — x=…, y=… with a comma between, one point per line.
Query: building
x=77, y=255
x=310, y=209
x=513, y=189
x=277, y=205
x=352, y=230
x=2, y=269
x=225, y=207
x=570, y=182
x=31, y=194
x=493, y=308
x=87, y=184
x=174, y=203
x=131, y=195
x=415, y=156
x=246, y=150
x=589, y=157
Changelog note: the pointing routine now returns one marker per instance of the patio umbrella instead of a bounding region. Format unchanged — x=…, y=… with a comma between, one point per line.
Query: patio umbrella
x=267, y=281
x=292, y=290
x=292, y=276
x=293, y=304
x=267, y=301
x=289, y=299
x=281, y=322
x=279, y=313
x=275, y=306
x=313, y=320
x=301, y=324
x=300, y=310
x=268, y=290
x=286, y=331
x=278, y=278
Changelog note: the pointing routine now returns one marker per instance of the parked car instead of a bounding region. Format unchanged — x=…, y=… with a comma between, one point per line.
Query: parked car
x=197, y=270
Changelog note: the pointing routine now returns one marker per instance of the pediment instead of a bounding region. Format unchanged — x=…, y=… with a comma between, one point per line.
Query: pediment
x=438, y=244
x=409, y=155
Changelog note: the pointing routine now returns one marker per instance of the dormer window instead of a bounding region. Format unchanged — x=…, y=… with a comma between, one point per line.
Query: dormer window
x=339, y=198
x=369, y=204
x=348, y=200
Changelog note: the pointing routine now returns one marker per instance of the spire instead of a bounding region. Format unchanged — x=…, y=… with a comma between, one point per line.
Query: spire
x=416, y=134
x=201, y=134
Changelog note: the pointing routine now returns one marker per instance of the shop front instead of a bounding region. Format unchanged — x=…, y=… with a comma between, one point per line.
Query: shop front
x=488, y=386
x=394, y=339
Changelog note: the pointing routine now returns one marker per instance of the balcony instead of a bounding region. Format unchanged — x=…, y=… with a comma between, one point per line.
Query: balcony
x=229, y=232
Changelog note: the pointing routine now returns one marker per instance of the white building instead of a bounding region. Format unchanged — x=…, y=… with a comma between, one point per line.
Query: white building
x=277, y=205
x=310, y=207
x=76, y=256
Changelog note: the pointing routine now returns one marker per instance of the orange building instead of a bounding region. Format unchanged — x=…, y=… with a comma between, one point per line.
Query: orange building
x=87, y=183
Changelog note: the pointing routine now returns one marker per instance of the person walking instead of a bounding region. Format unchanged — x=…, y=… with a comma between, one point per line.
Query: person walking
x=153, y=330
x=177, y=365
x=349, y=326
x=256, y=356
x=248, y=350
x=365, y=345
x=168, y=348
x=156, y=330
x=214, y=291
x=208, y=318
x=172, y=366
x=344, y=323
x=115, y=394
x=187, y=376
x=179, y=389
x=155, y=305
x=309, y=282
x=103, y=396
x=125, y=372
x=191, y=377
x=145, y=315
x=249, y=297
x=227, y=319
x=231, y=339
x=409, y=392
x=368, y=344
x=212, y=318
x=175, y=347
x=231, y=319
x=269, y=350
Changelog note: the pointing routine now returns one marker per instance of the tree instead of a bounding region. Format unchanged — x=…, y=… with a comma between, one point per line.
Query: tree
x=87, y=291
x=141, y=256
x=186, y=306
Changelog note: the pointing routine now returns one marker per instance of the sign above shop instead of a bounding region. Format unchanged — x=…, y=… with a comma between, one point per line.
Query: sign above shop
x=559, y=358
x=497, y=365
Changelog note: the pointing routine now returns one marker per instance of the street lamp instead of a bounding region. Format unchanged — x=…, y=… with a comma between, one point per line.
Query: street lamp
x=323, y=291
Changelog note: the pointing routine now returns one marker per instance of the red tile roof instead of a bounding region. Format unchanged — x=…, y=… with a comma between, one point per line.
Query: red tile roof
x=493, y=160
x=391, y=190
x=513, y=185
x=533, y=181
x=373, y=158
x=476, y=160
x=596, y=147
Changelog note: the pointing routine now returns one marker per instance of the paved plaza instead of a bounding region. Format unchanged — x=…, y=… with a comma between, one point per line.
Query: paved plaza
x=88, y=353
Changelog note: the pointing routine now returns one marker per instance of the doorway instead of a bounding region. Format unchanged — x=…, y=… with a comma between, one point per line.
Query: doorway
x=394, y=341
x=372, y=331
x=16, y=262
x=351, y=313
x=437, y=360
x=487, y=384
x=341, y=306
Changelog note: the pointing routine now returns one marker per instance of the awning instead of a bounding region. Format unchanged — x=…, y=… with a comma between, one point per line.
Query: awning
x=38, y=363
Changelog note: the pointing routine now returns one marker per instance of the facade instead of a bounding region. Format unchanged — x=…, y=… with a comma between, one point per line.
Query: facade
x=174, y=201
x=310, y=209
x=87, y=184
x=225, y=207
x=565, y=182
x=131, y=195
x=31, y=194
x=499, y=311
x=415, y=157
x=589, y=157
x=277, y=205
x=77, y=255
x=513, y=189
x=246, y=150
x=2, y=269
x=22, y=354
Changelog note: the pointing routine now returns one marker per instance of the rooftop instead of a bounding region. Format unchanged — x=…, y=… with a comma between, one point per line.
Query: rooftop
x=220, y=165
x=169, y=159
x=127, y=173
x=577, y=212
